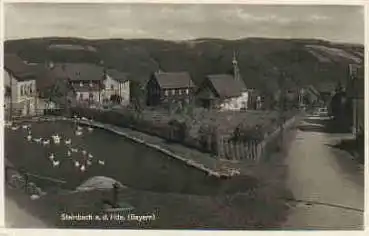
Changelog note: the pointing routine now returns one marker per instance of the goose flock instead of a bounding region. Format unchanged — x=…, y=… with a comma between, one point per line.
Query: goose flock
x=84, y=160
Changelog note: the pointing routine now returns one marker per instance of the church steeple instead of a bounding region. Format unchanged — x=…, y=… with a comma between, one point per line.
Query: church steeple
x=236, y=70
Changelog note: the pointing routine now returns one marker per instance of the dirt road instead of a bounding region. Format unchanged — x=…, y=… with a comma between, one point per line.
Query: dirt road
x=329, y=183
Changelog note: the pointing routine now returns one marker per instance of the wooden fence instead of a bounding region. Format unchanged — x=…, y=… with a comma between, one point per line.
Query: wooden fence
x=250, y=151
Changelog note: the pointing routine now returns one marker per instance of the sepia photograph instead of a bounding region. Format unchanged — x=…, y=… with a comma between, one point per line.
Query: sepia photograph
x=183, y=116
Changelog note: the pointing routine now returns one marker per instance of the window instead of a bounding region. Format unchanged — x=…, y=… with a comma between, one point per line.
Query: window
x=173, y=91
x=166, y=92
x=187, y=91
x=91, y=84
x=180, y=91
x=80, y=84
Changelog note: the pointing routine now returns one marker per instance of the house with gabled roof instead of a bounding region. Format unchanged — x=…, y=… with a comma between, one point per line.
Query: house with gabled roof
x=94, y=83
x=169, y=87
x=20, y=81
x=224, y=91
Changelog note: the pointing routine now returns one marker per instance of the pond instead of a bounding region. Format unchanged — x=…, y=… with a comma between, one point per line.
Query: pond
x=130, y=163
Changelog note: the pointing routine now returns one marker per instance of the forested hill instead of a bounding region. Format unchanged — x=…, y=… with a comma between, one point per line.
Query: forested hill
x=304, y=61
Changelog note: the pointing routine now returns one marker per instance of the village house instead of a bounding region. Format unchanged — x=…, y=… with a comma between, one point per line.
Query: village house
x=169, y=87
x=224, y=91
x=93, y=83
x=20, y=81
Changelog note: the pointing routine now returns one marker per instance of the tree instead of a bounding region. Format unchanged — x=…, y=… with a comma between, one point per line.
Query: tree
x=137, y=95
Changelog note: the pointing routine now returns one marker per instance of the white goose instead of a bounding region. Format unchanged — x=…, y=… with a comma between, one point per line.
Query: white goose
x=101, y=162
x=46, y=142
x=89, y=162
x=79, y=128
x=76, y=163
x=29, y=137
x=15, y=128
x=78, y=132
x=51, y=157
x=69, y=153
x=84, y=152
x=25, y=126
x=68, y=142
x=90, y=156
x=34, y=197
x=56, y=138
x=56, y=163
x=83, y=168
x=90, y=129
x=74, y=149
x=84, y=118
x=37, y=140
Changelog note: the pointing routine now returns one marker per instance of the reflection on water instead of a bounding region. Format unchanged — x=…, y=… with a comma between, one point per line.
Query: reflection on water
x=130, y=163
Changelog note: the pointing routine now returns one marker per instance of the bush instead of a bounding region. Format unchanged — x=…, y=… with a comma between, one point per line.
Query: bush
x=244, y=133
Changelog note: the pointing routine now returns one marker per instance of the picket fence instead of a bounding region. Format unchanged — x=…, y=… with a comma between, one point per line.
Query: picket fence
x=250, y=151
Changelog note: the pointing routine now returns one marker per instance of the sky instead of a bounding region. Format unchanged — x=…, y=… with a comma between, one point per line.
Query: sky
x=183, y=21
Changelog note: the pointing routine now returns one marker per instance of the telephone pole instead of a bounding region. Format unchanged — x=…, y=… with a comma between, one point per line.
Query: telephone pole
x=281, y=85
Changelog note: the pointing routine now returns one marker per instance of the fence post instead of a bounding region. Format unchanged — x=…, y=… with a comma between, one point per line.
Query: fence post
x=25, y=181
x=254, y=150
x=226, y=147
x=242, y=150
x=237, y=155
x=220, y=147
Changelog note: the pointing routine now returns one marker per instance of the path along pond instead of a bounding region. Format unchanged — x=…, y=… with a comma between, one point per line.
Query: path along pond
x=133, y=164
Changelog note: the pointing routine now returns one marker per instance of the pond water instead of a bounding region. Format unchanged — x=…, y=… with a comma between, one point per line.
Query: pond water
x=130, y=163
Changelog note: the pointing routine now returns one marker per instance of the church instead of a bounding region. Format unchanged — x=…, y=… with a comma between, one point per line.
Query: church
x=224, y=91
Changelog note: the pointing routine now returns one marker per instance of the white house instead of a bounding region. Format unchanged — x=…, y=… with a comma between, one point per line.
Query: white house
x=224, y=91
x=95, y=84
x=21, y=80
x=116, y=83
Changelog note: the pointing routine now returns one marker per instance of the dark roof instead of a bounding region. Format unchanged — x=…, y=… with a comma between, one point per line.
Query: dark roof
x=117, y=75
x=18, y=68
x=172, y=80
x=226, y=86
x=313, y=90
x=79, y=71
x=86, y=88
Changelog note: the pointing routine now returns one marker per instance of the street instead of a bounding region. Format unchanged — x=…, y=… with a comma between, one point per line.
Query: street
x=326, y=182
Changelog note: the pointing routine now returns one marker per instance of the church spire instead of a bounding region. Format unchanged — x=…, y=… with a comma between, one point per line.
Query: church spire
x=236, y=71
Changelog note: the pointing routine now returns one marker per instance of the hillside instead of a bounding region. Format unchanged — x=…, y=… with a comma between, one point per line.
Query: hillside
x=304, y=61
